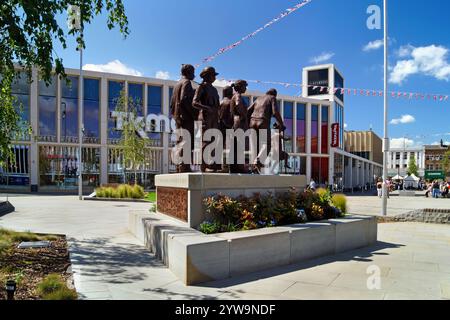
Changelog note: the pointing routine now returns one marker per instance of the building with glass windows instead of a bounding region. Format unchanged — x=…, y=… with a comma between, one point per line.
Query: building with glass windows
x=399, y=159
x=48, y=159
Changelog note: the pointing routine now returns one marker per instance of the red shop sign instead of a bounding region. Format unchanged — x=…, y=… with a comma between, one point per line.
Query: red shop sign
x=335, y=135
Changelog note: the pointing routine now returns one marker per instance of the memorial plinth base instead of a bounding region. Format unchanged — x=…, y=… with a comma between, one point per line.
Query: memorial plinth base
x=181, y=195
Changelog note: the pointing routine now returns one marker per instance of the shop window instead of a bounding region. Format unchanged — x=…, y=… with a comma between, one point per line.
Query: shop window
x=15, y=174
x=58, y=168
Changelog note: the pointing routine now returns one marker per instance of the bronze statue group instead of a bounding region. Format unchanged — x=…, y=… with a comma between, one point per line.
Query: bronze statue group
x=203, y=105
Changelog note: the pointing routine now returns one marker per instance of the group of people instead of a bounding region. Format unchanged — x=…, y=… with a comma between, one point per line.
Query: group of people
x=437, y=189
x=232, y=113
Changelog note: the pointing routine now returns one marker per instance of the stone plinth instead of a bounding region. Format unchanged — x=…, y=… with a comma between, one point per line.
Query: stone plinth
x=196, y=258
x=181, y=195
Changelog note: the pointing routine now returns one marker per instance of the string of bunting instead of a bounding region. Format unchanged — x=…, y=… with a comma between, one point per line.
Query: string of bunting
x=354, y=92
x=253, y=34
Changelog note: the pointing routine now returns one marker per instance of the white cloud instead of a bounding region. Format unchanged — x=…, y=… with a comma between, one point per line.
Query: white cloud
x=373, y=45
x=222, y=83
x=323, y=57
x=405, y=51
x=430, y=61
x=164, y=75
x=345, y=126
x=115, y=67
x=438, y=143
x=407, y=118
x=402, y=143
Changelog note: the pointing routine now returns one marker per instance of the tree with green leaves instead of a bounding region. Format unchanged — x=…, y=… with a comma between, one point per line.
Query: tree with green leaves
x=412, y=167
x=130, y=143
x=28, y=32
x=446, y=163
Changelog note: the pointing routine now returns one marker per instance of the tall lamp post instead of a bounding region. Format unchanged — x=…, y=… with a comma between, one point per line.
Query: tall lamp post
x=386, y=133
x=75, y=23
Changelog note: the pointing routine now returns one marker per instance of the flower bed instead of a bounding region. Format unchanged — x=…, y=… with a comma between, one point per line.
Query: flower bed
x=226, y=214
x=39, y=274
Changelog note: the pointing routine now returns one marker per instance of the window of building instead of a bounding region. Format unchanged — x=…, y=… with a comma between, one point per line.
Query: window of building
x=154, y=106
x=136, y=95
x=114, y=91
x=325, y=126
x=301, y=128
x=339, y=84
x=47, y=111
x=91, y=113
x=339, y=118
x=145, y=174
x=320, y=170
x=15, y=174
x=20, y=90
x=69, y=110
x=58, y=168
x=297, y=166
x=314, y=129
x=288, y=113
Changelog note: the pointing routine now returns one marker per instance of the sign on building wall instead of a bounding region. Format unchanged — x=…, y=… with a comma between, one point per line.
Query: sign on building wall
x=317, y=80
x=335, y=135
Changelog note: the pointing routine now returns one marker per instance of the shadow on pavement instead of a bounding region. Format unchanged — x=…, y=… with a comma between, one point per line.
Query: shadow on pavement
x=359, y=255
x=100, y=258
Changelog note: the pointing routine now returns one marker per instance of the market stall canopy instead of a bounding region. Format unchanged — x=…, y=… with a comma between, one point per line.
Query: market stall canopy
x=397, y=177
x=412, y=178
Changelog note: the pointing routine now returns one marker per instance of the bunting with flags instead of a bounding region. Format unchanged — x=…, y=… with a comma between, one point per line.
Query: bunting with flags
x=254, y=33
x=353, y=91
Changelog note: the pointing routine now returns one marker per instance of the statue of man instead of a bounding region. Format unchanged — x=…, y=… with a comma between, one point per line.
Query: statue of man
x=226, y=120
x=207, y=101
x=260, y=114
x=239, y=111
x=183, y=112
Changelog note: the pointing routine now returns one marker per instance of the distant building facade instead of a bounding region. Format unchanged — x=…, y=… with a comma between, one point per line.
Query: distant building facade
x=365, y=144
x=399, y=158
x=434, y=155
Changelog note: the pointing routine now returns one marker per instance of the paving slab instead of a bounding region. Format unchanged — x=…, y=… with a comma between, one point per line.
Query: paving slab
x=110, y=264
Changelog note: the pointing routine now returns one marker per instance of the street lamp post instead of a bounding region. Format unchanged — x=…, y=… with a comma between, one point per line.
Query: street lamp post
x=386, y=133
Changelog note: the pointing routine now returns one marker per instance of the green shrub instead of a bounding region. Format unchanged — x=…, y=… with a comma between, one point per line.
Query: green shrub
x=137, y=192
x=123, y=191
x=53, y=287
x=340, y=202
x=61, y=294
x=210, y=227
x=50, y=284
x=324, y=197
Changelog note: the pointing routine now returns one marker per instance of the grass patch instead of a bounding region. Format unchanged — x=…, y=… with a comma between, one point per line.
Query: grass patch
x=53, y=287
x=8, y=238
x=151, y=197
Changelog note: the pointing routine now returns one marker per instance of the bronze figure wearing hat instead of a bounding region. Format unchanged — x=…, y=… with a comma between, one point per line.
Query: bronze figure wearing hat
x=207, y=101
x=183, y=112
x=260, y=115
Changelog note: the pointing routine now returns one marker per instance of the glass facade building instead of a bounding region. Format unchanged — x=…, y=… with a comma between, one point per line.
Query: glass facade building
x=48, y=159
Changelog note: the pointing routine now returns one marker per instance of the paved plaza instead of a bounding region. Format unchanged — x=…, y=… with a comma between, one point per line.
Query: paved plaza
x=371, y=205
x=109, y=263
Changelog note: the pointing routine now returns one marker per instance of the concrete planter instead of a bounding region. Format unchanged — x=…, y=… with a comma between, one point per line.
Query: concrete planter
x=197, y=258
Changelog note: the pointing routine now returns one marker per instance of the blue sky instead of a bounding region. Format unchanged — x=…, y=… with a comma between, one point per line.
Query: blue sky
x=165, y=34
